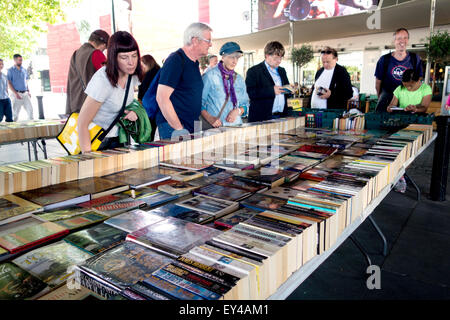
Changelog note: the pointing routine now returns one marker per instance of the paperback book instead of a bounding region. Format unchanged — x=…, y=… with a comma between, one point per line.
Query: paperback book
x=223, y=192
x=13, y=208
x=18, y=284
x=212, y=206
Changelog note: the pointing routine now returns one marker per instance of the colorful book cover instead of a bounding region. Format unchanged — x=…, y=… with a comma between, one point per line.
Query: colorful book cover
x=263, y=202
x=187, y=175
x=138, y=178
x=124, y=265
x=170, y=289
x=102, y=200
x=241, y=184
x=133, y=220
x=13, y=208
x=30, y=236
x=18, y=284
x=177, y=187
x=116, y=207
x=96, y=239
x=83, y=220
x=173, y=236
x=266, y=176
x=52, y=264
x=173, y=210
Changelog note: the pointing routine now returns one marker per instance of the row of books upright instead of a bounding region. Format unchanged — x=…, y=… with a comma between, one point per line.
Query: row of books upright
x=31, y=129
x=349, y=123
x=282, y=200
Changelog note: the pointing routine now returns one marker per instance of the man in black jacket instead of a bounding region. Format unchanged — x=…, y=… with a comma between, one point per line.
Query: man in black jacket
x=332, y=87
x=264, y=81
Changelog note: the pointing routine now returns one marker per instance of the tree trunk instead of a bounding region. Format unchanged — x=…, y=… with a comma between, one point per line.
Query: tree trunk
x=434, y=79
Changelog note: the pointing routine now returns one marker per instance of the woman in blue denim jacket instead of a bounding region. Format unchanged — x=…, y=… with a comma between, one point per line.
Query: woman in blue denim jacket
x=222, y=81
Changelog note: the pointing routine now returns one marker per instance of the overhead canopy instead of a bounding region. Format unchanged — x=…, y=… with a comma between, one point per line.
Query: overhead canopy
x=412, y=14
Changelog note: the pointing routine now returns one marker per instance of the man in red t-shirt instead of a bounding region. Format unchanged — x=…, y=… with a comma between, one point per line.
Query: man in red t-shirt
x=84, y=63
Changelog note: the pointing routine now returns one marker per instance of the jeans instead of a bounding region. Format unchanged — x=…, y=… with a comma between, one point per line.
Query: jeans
x=6, y=110
x=166, y=132
x=384, y=101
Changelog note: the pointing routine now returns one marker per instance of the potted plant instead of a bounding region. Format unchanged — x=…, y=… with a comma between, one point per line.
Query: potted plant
x=438, y=50
x=301, y=56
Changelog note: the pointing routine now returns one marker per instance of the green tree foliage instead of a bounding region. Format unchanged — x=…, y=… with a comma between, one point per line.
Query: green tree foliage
x=302, y=56
x=438, y=48
x=22, y=21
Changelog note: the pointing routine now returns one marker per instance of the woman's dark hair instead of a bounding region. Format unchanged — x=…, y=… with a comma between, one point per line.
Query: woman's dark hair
x=149, y=61
x=410, y=75
x=121, y=41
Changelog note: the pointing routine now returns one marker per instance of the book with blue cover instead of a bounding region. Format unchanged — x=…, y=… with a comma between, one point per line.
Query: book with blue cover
x=170, y=289
x=157, y=198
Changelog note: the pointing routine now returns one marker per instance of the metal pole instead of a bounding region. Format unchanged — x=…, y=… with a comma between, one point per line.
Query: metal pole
x=113, y=16
x=428, y=68
x=291, y=44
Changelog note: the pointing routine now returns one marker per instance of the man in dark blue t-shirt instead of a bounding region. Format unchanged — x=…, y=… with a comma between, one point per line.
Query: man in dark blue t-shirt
x=389, y=73
x=180, y=87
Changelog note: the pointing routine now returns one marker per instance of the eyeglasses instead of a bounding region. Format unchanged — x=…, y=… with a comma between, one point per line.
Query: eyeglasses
x=206, y=40
x=326, y=52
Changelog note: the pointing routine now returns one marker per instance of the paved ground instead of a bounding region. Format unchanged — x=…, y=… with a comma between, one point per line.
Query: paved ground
x=418, y=261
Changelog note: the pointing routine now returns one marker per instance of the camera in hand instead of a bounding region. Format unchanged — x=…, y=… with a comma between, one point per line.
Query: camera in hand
x=321, y=91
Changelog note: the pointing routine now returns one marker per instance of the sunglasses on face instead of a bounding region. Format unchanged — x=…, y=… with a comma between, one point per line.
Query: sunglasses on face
x=326, y=52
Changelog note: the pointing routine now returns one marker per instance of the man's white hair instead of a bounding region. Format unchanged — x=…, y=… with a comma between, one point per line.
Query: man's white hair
x=195, y=30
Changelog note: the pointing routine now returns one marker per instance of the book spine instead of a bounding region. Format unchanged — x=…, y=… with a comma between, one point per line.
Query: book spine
x=186, y=284
x=238, y=251
x=147, y=292
x=272, y=226
x=95, y=285
x=169, y=288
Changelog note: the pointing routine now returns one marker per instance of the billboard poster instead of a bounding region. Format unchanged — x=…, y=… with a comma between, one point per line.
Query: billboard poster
x=274, y=12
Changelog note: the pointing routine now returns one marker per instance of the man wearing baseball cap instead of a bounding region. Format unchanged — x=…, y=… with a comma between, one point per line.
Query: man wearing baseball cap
x=224, y=96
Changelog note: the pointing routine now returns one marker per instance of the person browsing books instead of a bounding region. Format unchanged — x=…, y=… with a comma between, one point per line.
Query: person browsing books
x=390, y=68
x=332, y=88
x=150, y=68
x=5, y=102
x=224, y=97
x=412, y=95
x=106, y=90
x=179, y=93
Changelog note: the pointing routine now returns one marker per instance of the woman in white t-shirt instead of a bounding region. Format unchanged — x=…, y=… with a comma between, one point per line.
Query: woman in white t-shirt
x=106, y=90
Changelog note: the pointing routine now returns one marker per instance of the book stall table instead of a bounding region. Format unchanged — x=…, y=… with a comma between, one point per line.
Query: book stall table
x=309, y=267
x=33, y=132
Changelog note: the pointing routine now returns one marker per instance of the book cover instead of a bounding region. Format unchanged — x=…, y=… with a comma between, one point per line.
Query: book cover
x=168, y=288
x=122, y=266
x=209, y=205
x=241, y=184
x=267, y=176
x=81, y=221
x=52, y=263
x=96, y=239
x=30, y=236
x=223, y=192
x=66, y=293
x=62, y=213
x=281, y=192
x=13, y=208
x=133, y=220
x=177, y=188
x=113, y=208
x=138, y=178
x=173, y=236
x=18, y=284
x=232, y=219
x=263, y=202
x=173, y=210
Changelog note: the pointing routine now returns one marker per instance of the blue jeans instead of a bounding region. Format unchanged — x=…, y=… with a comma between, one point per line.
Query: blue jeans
x=166, y=132
x=6, y=110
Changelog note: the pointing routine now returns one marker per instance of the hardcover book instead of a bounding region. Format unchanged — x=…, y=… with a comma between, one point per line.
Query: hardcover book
x=18, y=284
x=263, y=202
x=167, y=288
x=157, y=198
x=172, y=210
x=52, y=263
x=177, y=188
x=187, y=175
x=120, y=267
x=133, y=220
x=96, y=239
x=266, y=176
x=138, y=178
x=172, y=236
x=241, y=184
x=111, y=209
x=83, y=220
x=62, y=213
x=212, y=206
x=17, y=236
x=13, y=208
